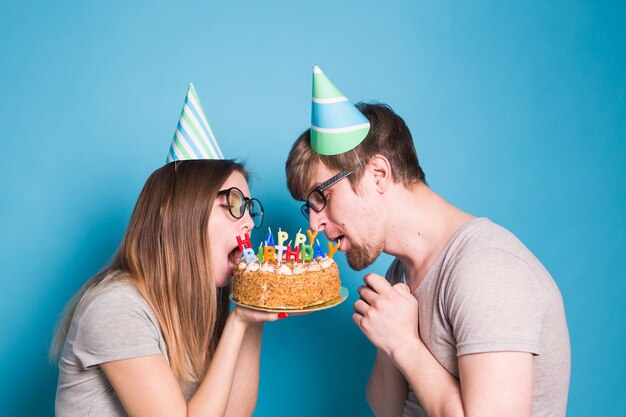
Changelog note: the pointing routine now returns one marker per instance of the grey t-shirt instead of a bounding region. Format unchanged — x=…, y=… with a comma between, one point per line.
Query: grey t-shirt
x=115, y=324
x=486, y=292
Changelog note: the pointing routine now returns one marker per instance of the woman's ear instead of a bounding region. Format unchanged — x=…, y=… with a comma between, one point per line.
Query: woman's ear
x=380, y=169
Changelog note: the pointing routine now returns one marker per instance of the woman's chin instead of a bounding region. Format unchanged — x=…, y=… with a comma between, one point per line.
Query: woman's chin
x=224, y=280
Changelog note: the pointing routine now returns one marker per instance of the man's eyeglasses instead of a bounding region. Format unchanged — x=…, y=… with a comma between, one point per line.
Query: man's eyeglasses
x=316, y=200
x=237, y=204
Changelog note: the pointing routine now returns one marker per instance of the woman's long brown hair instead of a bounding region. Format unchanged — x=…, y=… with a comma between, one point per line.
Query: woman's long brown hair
x=165, y=254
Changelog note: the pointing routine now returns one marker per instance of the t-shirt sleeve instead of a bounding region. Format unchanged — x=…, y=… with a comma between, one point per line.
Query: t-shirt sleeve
x=115, y=325
x=496, y=303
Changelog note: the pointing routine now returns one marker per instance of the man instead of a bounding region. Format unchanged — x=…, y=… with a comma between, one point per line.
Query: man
x=467, y=321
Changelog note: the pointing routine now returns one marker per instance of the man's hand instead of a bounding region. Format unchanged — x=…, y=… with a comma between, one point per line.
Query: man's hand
x=386, y=314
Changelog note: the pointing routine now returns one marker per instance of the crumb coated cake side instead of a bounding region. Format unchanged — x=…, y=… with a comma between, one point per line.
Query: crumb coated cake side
x=288, y=285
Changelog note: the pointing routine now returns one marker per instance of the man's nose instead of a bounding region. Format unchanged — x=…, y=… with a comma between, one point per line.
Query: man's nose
x=317, y=221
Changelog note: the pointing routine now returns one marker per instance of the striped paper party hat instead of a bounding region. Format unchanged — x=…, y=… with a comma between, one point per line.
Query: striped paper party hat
x=336, y=125
x=194, y=138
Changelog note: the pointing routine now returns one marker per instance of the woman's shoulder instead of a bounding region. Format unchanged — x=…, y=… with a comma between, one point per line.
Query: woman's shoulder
x=115, y=299
x=118, y=286
x=113, y=322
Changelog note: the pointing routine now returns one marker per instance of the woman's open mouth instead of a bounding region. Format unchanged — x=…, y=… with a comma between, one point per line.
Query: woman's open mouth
x=233, y=258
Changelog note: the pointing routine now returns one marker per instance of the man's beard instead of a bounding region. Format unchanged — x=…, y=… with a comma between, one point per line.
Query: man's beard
x=361, y=256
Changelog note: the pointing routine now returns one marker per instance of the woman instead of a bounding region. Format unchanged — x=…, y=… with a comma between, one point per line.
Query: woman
x=151, y=335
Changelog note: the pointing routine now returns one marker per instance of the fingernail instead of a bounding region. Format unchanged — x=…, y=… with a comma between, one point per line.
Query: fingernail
x=282, y=315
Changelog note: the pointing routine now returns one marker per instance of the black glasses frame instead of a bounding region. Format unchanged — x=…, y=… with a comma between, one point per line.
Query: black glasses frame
x=319, y=191
x=245, y=205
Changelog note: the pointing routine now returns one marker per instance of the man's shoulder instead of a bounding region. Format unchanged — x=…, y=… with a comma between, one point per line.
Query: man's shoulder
x=487, y=249
x=483, y=236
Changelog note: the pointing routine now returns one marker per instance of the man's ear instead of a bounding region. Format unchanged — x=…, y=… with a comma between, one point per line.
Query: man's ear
x=380, y=170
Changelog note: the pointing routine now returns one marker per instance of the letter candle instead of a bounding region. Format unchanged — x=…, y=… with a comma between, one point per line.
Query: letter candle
x=300, y=238
x=282, y=237
x=269, y=238
x=307, y=253
x=318, y=250
x=332, y=248
x=245, y=241
x=295, y=254
x=260, y=254
x=299, y=252
x=279, y=251
x=248, y=255
x=269, y=253
x=312, y=236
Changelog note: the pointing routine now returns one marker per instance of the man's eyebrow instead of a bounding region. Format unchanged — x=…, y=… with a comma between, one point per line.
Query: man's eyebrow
x=315, y=185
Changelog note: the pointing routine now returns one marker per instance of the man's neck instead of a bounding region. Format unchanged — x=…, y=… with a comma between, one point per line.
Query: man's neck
x=419, y=228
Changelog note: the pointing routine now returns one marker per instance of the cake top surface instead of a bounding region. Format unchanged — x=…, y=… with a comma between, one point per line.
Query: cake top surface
x=287, y=267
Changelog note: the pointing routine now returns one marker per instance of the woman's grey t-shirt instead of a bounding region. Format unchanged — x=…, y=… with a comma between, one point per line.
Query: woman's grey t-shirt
x=115, y=324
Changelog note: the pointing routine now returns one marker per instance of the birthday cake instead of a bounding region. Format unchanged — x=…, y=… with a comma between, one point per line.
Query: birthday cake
x=280, y=277
x=290, y=285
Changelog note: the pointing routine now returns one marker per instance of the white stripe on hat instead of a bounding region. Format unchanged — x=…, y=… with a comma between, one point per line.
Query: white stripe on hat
x=329, y=100
x=340, y=129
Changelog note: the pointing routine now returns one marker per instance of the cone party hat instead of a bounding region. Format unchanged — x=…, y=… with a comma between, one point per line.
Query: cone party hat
x=193, y=138
x=336, y=124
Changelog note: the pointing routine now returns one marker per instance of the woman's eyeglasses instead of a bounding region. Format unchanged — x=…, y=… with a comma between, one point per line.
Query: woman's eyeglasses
x=237, y=204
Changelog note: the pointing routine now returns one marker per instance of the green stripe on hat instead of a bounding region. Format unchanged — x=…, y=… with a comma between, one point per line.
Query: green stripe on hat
x=333, y=143
x=323, y=87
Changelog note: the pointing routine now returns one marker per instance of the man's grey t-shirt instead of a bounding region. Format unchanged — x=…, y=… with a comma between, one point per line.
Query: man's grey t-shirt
x=486, y=292
x=115, y=324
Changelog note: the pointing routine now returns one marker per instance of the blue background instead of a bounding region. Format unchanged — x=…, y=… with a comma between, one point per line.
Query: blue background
x=518, y=113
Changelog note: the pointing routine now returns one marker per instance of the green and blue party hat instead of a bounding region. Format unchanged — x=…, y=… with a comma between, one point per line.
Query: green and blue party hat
x=337, y=126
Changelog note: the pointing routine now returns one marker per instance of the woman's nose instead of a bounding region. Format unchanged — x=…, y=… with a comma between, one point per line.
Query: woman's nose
x=247, y=224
